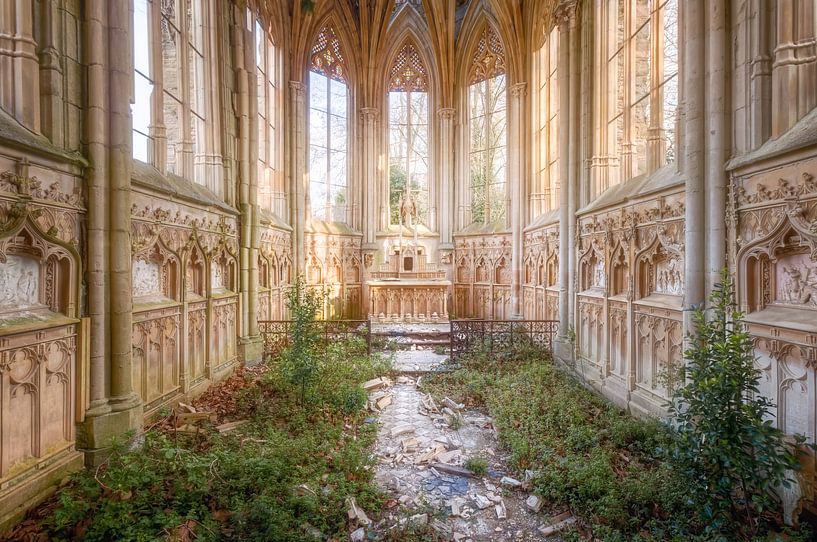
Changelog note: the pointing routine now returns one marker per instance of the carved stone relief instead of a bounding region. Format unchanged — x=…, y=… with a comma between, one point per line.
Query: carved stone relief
x=19, y=284
x=145, y=278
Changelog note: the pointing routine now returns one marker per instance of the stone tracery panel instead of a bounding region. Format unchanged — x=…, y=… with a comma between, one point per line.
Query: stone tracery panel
x=486, y=259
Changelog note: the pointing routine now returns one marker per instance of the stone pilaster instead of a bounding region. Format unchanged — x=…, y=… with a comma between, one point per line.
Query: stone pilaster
x=299, y=182
x=517, y=192
x=445, y=179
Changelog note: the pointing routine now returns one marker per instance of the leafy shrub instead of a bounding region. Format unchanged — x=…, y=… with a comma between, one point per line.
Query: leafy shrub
x=725, y=443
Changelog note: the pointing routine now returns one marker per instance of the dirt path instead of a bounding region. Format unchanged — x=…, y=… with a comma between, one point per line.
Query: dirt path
x=422, y=448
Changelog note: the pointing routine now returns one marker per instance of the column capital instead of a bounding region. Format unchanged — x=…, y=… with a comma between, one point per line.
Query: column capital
x=519, y=90
x=446, y=113
x=297, y=86
x=565, y=14
x=369, y=113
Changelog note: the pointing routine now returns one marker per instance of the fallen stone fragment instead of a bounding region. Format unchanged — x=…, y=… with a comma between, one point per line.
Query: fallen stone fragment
x=534, y=503
x=510, y=482
x=452, y=405
x=501, y=511
x=231, y=426
x=184, y=418
x=449, y=457
x=448, y=412
x=356, y=513
x=182, y=407
x=494, y=497
x=418, y=520
x=453, y=469
x=375, y=384
x=459, y=537
x=482, y=501
x=384, y=401
x=410, y=444
x=550, y=530
x=359, y=535
x=457, y=505
x=398, y=430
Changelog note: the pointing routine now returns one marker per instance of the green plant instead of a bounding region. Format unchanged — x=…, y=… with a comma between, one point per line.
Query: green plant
x=725, y=443
x=477, y=465
x=299, y=363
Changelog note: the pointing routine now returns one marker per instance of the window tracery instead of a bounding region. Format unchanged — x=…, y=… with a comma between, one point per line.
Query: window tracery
x=328, y=129
x=642, y=66
x=487, y=100
x=546, y=196
x=271, y=193
x=180, y=117
x=408, y=133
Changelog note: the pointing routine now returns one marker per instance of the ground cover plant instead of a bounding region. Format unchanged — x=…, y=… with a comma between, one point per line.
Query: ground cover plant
x=613, y=471
x=285, y=475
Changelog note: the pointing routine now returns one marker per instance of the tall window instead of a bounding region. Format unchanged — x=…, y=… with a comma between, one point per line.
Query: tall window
x=327, y=129
x=408, y=133
x=271, y=196
x=183, y=91
x=547, y=135
x=488, y=120
x=143, y=82
x=643, y=70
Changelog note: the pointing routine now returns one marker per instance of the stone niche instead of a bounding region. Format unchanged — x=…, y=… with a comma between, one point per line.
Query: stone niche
x=774, y=249
x=486, y=260
x=39, y=327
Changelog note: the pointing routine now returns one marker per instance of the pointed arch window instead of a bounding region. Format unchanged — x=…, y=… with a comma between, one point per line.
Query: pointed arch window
x=487, y=99
x=546, y=195
x=408, y=133
x=328, y=129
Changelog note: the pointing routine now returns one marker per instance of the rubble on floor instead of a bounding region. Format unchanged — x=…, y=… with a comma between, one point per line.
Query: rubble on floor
x=421, y=466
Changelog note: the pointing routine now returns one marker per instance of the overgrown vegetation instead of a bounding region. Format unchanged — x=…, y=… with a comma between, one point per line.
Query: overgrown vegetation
x=477, y=465
x=726, y=445
x=284, y=476
x=585, y=454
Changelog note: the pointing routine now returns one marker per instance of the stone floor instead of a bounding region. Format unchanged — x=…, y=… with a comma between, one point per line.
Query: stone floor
x=421, y=448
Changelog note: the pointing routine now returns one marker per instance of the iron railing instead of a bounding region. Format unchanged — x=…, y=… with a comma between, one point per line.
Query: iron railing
x=277, y=334
x=500, y=336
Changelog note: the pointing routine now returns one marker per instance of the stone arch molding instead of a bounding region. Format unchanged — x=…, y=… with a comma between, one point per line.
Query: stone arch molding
x=779, y=265
x=58, y=264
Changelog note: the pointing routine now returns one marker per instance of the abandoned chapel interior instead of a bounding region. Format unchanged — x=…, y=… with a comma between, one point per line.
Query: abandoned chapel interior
x=170, y=168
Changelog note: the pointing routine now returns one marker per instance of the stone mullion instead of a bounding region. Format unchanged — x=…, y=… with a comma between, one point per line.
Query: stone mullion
x=760, y=90
x=186, y=158
x=157, y=150
x=656, y=147
x=51, y=74
x=20, y=93
x=599, y=165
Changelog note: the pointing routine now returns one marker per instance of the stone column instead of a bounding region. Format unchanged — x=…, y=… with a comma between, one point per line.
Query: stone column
x=372, y=217
x=445, y=179
x=250, y=342
x=299, y=182
x=96, y=273
x=693, y=150
x=115, y=406
x=517, y=192
x=566, y=219
x=718, y=144
x=120, y=159
x=760, y=90
x=51, y=75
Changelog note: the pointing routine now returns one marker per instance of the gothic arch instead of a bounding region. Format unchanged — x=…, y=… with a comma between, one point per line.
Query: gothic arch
x=347, y=47
x=477, y=20
x=408, y=27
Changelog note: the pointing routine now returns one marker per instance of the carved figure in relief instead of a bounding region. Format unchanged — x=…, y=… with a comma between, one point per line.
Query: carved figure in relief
x=799, y=286
x=19, y=282
x=145, y=278
x=598, y=274
x=668, y=279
